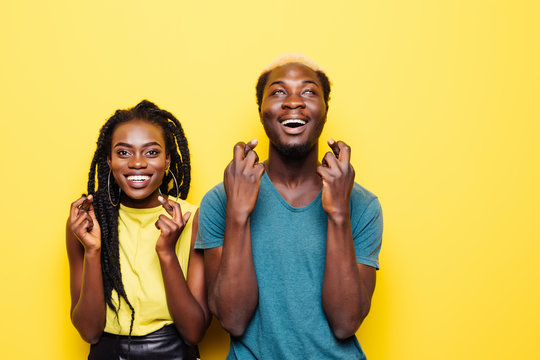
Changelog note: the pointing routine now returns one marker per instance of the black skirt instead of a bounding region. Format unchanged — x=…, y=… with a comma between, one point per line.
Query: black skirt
x=163, y=344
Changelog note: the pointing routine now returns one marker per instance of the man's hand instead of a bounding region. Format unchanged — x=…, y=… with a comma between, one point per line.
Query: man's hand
x=337, y=176
x=242, y=179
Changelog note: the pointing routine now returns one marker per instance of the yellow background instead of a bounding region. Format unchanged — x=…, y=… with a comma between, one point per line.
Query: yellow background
x=438, y=99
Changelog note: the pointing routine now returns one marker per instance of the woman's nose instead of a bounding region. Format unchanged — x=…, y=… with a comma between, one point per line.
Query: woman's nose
x=137, y=162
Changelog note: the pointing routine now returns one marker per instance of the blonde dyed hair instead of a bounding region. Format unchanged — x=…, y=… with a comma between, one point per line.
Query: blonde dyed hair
x=289, y=58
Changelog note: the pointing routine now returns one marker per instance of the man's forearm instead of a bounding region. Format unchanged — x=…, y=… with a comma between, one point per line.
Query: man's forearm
x=346, y=299
x=234, y=294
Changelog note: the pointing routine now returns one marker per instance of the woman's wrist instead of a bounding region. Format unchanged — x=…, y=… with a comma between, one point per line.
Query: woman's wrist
x=93, y=252
x=165, y=253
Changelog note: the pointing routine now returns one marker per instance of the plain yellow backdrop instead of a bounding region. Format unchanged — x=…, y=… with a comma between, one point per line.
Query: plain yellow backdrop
x=439, y=101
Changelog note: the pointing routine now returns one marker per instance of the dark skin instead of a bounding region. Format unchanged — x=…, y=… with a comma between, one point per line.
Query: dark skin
x=138, y=149
x=293, y=94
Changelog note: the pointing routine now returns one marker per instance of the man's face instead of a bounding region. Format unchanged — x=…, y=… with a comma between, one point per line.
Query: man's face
x=293, y=111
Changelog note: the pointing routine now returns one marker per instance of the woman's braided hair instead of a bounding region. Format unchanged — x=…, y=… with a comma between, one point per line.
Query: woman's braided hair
x=107, y=214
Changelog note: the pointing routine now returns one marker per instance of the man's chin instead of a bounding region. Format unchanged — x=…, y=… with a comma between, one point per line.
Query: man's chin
x=294, y=151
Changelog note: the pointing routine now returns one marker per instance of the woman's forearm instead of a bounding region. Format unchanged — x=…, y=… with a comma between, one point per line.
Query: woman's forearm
x=188, y=315
x=88, y=315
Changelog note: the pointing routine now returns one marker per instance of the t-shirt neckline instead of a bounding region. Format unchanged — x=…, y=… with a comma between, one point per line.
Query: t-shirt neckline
x=284, y=202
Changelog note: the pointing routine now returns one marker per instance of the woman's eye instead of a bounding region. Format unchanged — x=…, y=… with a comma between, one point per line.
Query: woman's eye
x=278, y=92
x=309, y=91
x=122, y=153
x=152, y=152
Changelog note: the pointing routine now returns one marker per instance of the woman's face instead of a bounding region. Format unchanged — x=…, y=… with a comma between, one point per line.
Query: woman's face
x=138, y=162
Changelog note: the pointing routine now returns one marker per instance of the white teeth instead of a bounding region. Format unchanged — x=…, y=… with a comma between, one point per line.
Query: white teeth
x=293, y=121
x=138, y=178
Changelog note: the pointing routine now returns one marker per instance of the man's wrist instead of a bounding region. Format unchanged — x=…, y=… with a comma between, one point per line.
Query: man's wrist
x=339, y=217
x=237, y=215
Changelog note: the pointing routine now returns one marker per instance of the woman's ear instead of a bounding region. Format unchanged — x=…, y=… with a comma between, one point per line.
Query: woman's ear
x=109, y=161
x=167, y=161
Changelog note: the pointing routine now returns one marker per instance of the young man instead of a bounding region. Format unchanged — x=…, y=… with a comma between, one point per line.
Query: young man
x=291, y=244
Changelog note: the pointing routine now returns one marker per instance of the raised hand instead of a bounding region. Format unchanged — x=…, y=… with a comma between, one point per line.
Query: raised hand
x=337, y=176
x=83, y=223
x=171, y=228
x=242, y=179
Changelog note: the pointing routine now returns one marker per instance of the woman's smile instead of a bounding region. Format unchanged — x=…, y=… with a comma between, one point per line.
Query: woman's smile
x=138, y=181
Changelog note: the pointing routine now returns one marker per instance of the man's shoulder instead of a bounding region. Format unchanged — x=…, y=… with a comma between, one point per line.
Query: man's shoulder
x=361, y=197
x=365, y=205
x=215, y=194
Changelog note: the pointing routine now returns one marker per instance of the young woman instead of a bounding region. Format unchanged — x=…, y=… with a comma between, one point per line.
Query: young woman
x=130, y=241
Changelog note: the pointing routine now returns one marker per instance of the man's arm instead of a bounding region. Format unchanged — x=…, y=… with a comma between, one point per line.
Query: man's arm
x=232, y=284
x=347, y=286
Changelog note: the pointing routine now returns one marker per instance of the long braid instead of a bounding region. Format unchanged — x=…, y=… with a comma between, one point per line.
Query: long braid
x=107, y=214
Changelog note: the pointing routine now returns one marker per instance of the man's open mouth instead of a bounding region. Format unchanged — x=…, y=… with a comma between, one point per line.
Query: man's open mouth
x=293, y=123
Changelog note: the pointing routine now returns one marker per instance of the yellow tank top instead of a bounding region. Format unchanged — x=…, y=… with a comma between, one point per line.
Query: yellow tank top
x=141, y=272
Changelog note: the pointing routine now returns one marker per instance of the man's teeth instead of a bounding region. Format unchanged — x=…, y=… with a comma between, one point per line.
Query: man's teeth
x=297, y=122
x=138, y=178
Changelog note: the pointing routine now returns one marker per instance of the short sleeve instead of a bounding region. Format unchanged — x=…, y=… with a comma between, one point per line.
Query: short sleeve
x=212, y=219
x=367, y=228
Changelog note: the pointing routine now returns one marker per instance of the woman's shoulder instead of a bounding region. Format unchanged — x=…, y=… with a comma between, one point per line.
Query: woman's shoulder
x=185, y=205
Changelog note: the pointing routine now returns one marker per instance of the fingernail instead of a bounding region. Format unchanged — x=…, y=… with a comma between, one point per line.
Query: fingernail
x=160, y=198
x=331, y=141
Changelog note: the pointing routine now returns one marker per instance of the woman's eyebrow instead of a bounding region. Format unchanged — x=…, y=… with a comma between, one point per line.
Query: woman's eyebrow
x=152, y=143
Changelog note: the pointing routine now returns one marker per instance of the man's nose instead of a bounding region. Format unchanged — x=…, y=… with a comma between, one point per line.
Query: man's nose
x=294, y=101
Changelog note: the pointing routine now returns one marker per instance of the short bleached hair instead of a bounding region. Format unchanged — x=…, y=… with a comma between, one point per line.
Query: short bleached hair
x=290, y=58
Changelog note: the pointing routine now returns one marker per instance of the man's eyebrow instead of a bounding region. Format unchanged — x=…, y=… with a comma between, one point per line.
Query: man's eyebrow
x=152, y=143
x=277, y=82
x=310, y=82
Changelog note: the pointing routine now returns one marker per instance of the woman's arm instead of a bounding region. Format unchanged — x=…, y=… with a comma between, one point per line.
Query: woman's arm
x=83, y=243
x=186, y=300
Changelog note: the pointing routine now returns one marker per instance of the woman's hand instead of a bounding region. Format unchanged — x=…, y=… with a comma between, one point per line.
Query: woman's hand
x=242, y=179
x=337, y=175
x=83, y=223
x=170, y=228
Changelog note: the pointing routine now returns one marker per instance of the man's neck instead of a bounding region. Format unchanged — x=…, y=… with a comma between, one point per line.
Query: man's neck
x=291, y=172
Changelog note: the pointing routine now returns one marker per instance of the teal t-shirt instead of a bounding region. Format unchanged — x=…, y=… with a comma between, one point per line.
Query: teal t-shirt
x=289, y=249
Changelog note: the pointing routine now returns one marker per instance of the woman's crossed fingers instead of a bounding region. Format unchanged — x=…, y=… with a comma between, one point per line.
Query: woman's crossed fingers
x=172, y=227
